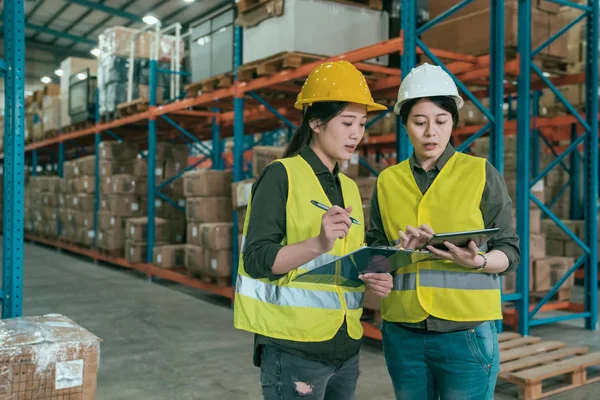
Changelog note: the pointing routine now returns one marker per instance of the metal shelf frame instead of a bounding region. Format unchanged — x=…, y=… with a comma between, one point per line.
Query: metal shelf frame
x=233, y=110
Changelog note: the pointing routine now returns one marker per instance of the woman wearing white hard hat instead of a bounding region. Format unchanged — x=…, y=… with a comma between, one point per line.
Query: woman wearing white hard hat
x=439, y=334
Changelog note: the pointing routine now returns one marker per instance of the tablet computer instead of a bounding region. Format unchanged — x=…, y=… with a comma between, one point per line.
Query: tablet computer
x=461, y=239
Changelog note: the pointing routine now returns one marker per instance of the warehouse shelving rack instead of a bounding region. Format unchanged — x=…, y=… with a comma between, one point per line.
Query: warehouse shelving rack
x=235, y=111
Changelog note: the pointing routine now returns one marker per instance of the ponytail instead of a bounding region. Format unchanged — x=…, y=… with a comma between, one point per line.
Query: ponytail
x=322, y=111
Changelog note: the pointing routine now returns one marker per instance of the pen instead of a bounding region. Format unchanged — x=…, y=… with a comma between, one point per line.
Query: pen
x=325, y=208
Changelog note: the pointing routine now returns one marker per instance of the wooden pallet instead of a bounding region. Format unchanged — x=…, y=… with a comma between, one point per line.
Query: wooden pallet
x=132, y=107
x=274, y=64
x=529, y=362
x=245, y=6
x=209, y=85
x=78, y=126
x=108, y=116
x=221, y=281
x=114, y=253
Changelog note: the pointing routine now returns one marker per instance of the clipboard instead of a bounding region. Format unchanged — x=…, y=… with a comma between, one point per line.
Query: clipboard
x=362, y=261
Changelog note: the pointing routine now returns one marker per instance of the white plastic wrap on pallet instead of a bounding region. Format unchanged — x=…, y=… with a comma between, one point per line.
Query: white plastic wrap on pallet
x=306, y=26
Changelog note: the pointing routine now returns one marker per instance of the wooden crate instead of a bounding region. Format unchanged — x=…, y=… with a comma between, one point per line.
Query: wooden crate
x=210, y=85
x=529, y=362
x=78, y=126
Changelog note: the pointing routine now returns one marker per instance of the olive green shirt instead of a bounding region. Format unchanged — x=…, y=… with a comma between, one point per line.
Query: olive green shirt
x=266, y=230
x=496, y=208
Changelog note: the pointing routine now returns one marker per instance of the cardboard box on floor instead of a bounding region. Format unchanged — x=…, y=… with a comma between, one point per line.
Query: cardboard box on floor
x=194, y=258
x=48, y=356
x=207, y=183
x=170, y=256
x=135, y=252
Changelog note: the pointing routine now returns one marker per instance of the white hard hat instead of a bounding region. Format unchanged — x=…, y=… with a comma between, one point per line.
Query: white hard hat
x=427, y=80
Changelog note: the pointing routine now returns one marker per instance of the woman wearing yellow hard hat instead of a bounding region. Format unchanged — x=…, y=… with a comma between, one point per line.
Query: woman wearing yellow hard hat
x=439, y=334
x=307, y=335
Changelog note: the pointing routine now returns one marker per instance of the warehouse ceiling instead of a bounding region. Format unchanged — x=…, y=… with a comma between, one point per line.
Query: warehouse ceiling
x=71, y=27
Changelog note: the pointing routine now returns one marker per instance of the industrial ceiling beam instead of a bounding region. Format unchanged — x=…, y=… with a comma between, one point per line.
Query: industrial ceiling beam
x=115, y=12
x=59, y=34
x=52, y=18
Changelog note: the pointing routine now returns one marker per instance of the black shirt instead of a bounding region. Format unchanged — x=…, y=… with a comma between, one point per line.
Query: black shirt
x=266, y=230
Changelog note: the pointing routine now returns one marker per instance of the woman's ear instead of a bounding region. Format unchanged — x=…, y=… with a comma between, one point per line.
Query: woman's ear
x=315, y=125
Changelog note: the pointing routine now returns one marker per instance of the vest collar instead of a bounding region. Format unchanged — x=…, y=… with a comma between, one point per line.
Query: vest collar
x=316, y=164
x=441, y=162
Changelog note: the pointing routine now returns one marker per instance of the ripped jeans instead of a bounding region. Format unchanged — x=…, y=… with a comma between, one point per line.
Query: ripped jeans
x=285, y=376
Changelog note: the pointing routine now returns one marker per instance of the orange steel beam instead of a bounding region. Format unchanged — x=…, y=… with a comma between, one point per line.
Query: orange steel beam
x=190, y=113
x=194, y=101
x=371, y=331
x=378, y=69
x=538, y=84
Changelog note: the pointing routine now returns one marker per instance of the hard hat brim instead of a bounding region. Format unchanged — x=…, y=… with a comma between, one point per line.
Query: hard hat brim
x=457, y=99
x=371, y=106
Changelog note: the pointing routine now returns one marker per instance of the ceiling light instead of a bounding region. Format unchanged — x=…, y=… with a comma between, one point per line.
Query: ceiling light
x=59, y=72
x=46, y=79
x=96, y=52
x=546, y=74
x=188, y=1
x=150, y=19
x=81, y=76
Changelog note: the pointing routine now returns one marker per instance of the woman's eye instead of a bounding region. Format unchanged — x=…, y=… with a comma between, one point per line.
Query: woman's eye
x=419, y=123
x=363, y=125
x=441, y=122
x=347, y=123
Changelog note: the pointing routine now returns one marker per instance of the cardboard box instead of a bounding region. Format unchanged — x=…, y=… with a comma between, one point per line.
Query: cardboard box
x=207, y=183
x=546, y=272
x=48, y=357
x=366, y=185
x=65, y=185
x=85, y=166
x=217, y=263
x=50, y=199
x=84, y=236
x=83, y=219
x=111, y=239
x=241, y=218
x=51, y=113
x=86, y=202
x=110, y=168
x=137, y=229
x=555, y=247
x=69, y=170
x=572, y=249
x=113, y=150
x=537, y=245
x=240, y=192
x=174, y=189
x=108, y=221
x=124, y=184
x=194, y=258
x=555, y=232
x=123, y=205
x=456, y=33
x=135, y=252
x=170, y=256
x=509, y=283
x=194, y=234
x=263, y=156
x=84, y=184
x=208, y=209
x=217, y=236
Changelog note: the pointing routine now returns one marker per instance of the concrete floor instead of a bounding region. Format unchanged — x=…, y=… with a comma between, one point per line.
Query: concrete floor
x=170, y=342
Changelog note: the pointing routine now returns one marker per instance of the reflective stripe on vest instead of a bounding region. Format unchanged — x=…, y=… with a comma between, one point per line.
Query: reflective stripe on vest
x=445, y=279
x=458, y=280
x=295, y=297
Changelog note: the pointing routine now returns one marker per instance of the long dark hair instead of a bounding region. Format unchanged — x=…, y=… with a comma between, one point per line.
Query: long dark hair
x=323, y=112
x=444, y=102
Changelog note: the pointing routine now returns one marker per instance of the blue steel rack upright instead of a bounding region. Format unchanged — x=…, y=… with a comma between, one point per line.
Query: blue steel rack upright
x=589, y=139
x=13, y=68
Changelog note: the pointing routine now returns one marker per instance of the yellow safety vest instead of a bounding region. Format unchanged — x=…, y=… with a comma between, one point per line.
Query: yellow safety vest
x=440, y=288
x=303, y=311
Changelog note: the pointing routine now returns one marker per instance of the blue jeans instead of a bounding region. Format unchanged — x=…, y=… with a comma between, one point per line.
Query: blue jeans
x=456, y=365
x=285, y=376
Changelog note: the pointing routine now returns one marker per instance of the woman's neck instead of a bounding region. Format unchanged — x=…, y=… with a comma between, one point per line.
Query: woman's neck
x=427, y=164
x=325, y=159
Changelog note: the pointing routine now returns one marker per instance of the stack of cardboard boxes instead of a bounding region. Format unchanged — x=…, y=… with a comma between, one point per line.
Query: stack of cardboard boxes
x=209, y=228
x=66, y=206
x=136, y=232
x=41, y=201
x=81, y=201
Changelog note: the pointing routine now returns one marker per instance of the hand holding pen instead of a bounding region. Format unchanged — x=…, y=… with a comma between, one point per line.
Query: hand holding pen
x=335, y=224
x=325, y=208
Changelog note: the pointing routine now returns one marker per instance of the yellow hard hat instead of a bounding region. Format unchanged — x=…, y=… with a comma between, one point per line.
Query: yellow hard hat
x=336, y=81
